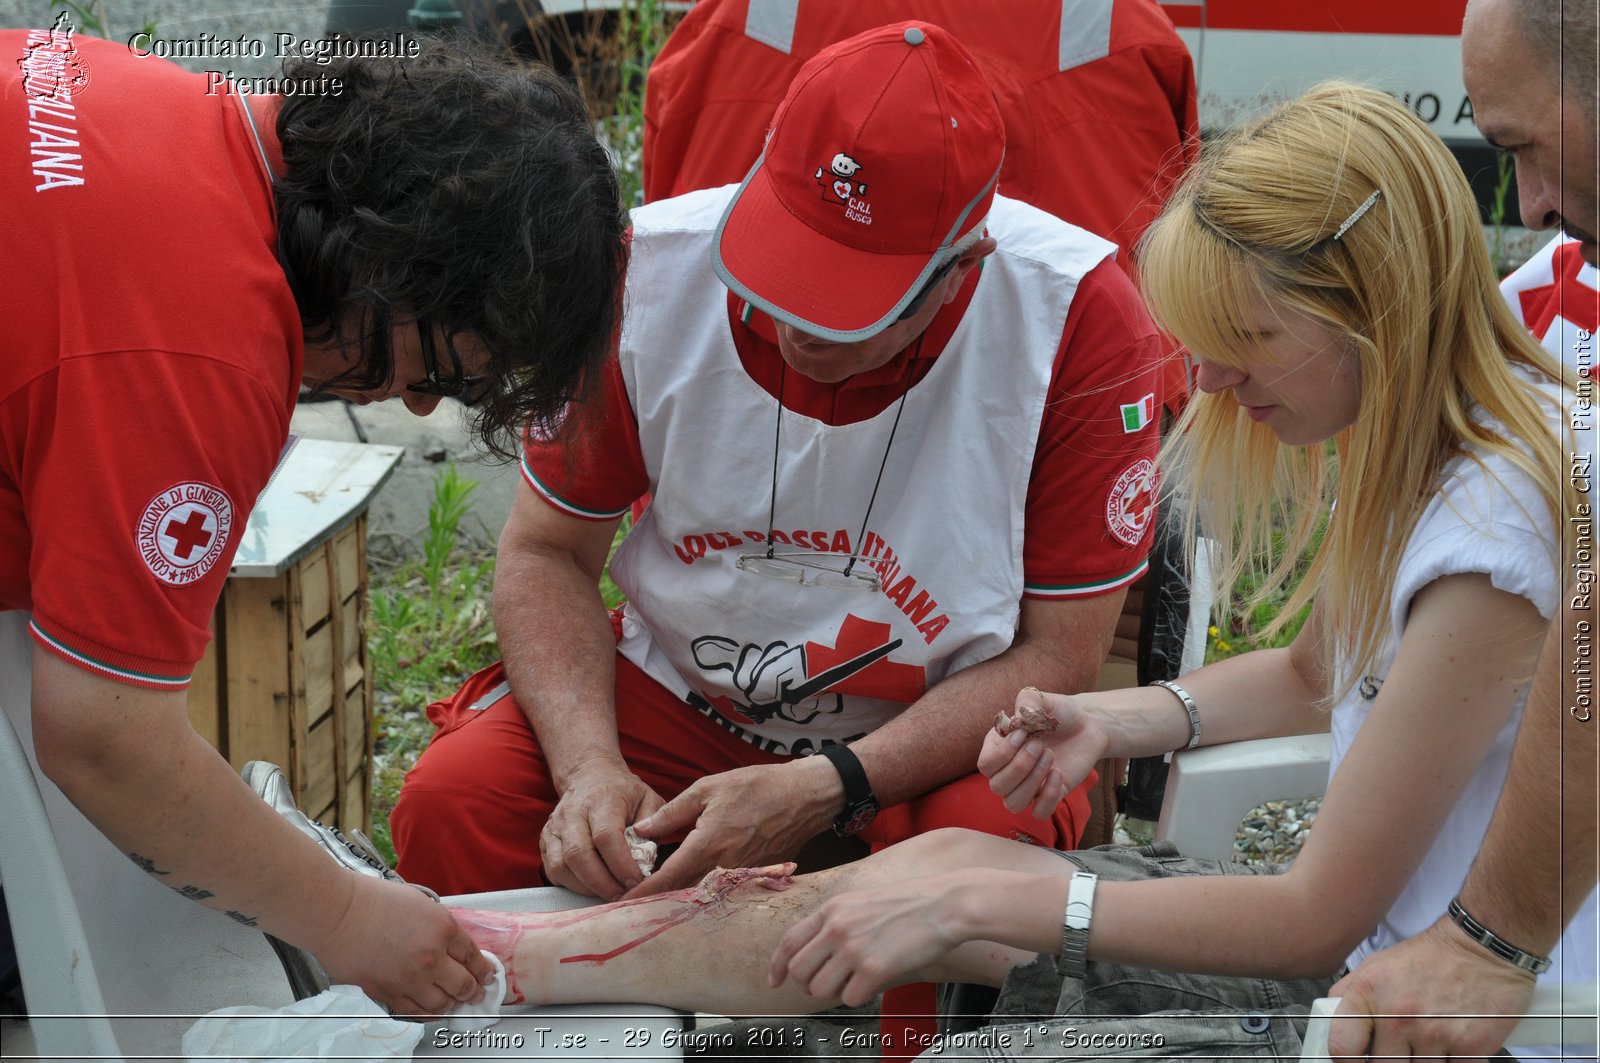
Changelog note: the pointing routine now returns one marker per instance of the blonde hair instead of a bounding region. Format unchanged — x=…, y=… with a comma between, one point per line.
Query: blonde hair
x=1409, y=284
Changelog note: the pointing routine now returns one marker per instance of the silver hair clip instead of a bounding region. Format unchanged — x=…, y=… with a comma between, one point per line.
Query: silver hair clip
x=1355, y=215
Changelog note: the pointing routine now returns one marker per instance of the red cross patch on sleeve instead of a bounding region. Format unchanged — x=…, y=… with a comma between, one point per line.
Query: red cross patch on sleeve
x=1131, y=501
x=183, y=531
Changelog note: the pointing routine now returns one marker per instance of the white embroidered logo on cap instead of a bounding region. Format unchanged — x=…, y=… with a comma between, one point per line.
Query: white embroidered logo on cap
x=183, y=531
x=840, y=186
x=1131, y=501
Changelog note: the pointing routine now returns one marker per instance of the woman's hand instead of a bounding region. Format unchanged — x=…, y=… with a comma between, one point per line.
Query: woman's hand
x=863, y=941
x=1041, y=767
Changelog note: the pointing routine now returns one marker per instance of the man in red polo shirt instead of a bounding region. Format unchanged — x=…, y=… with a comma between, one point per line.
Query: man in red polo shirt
x=899, y=434
x=180, y=260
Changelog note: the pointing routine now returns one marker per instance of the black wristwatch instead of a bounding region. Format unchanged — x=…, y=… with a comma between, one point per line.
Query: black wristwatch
x=860, y=806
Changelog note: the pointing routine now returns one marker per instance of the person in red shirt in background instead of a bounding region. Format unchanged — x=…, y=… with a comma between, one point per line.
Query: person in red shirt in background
x=1099, y=100
x=180, y=261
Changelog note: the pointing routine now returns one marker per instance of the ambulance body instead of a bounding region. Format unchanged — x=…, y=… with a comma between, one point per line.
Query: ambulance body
x=1251, y=54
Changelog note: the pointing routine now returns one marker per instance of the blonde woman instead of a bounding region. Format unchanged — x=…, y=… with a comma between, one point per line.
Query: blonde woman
x=1326, y=268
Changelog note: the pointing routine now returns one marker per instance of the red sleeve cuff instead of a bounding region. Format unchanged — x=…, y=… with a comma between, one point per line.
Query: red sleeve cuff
x=1086, y=589
x=594, y=469
x=567, y=505
x=112, y=664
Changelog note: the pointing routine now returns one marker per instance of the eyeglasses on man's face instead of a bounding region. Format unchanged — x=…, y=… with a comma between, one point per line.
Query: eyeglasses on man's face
x=927, y=289
x=468, y=390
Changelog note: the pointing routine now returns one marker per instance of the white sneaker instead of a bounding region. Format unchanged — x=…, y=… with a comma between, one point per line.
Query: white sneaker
x=353, y=851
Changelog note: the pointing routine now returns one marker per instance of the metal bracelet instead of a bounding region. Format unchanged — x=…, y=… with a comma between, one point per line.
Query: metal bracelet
x=1075, y=920
x=1502, y=948
x=1188, y=706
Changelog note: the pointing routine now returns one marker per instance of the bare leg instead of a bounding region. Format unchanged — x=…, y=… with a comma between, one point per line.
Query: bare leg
x=708, y=948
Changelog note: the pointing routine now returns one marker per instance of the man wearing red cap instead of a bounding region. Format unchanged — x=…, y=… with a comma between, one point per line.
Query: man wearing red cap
x=1101, y=90
x=899, y=435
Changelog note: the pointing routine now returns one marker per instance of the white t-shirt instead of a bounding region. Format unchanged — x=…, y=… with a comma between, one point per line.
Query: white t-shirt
x=1485, y=518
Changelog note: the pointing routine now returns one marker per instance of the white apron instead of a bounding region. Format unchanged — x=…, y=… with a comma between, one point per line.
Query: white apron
x=785, y=666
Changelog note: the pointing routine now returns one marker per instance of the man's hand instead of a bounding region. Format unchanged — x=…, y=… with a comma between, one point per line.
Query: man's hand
x=582, y=842
x=1441, y=994
x=748, y=817
x=1040, y=769
x=404, y=950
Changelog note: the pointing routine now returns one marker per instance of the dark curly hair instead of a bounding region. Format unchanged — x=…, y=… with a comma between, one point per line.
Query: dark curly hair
x=465, y=189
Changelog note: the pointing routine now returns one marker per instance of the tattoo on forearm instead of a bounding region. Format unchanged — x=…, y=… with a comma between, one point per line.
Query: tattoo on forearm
x=146, y=864
x=194, y=893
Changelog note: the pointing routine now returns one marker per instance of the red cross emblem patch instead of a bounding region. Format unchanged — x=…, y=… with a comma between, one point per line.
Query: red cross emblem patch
x=1131, y=501
x=184, y=530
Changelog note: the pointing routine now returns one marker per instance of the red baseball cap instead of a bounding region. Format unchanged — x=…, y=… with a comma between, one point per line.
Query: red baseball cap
x=884, y=153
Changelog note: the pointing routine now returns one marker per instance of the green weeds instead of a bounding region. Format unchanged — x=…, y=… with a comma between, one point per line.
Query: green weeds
x=430, y=628
x=1505, y=175
x=1245, y=617
x=608, y=54
x=91, y=16
x=642, y=30
x=609, y=591
x=430, y=616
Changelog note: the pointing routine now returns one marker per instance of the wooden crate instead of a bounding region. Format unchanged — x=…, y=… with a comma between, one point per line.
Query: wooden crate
x=286, y=677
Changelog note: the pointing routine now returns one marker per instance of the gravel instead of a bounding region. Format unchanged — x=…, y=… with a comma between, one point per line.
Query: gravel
x=1270, y=834
x=1274, y=832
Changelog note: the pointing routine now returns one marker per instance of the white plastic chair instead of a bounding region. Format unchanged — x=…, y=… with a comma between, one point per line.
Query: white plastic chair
x=1210, y=790
x=115, y=965
x=111, y=960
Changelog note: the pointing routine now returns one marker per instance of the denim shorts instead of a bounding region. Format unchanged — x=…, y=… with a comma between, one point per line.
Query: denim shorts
x=1120, y=1012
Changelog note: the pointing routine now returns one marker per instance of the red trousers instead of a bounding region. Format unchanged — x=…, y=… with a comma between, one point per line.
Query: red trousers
x=470, y=812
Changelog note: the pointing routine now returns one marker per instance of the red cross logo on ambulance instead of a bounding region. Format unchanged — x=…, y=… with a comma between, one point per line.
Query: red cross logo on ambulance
x=840, y=186
x=183, y=531
x=1131, y=501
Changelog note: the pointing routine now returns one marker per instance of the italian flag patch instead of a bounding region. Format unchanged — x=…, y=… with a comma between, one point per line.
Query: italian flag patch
x=1135, y=415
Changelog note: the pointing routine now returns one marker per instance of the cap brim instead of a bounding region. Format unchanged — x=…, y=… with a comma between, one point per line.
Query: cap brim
x=796, y=274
